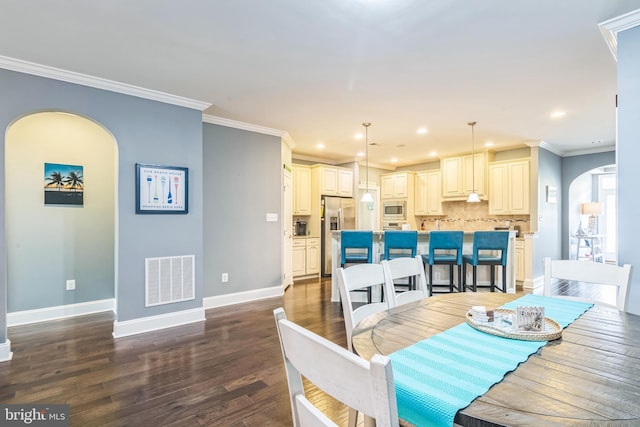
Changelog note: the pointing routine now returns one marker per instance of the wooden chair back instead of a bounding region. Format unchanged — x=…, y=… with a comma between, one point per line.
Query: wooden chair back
x=364, y=386
x=588, y=272
x=359, y=277
x=401, y=268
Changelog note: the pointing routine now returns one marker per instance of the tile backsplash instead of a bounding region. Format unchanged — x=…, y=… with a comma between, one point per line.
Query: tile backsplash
x=461, y=215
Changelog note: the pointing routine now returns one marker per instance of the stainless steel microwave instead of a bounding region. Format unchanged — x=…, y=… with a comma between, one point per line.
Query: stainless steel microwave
x=394, y=210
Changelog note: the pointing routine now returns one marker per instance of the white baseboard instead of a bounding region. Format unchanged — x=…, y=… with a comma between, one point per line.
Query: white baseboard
x=538, y=282
x=153, y=323
x=136, y=326
x=5, y=351
x=240, y=297
x=59, y=312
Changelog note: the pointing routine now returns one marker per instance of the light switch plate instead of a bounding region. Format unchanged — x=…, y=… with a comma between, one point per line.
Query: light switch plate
x=272, y=217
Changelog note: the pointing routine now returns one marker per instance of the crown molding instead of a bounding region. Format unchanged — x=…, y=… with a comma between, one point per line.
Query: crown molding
x=98, y=83
x=286, y=138
x=554, y=150
x=600, y=149
x=331, y=162
x=532, y=144
x=612, y=27
x=546, y=146
x=215, y=120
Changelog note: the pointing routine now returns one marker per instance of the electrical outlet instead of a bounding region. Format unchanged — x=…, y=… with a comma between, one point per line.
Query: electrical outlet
x=225, y=277
x=71, y=285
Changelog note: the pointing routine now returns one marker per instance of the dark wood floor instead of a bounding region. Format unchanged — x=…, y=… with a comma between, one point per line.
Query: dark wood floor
x=226, y=371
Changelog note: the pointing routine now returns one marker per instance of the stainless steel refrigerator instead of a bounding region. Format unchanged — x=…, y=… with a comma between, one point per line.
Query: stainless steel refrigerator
x=338, y=213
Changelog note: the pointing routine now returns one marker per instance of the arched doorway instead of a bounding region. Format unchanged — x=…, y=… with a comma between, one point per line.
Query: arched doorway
x=593, y=211
x=51, y=244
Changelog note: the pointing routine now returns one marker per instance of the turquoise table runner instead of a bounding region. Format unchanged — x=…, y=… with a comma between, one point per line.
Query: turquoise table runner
x=437, y=377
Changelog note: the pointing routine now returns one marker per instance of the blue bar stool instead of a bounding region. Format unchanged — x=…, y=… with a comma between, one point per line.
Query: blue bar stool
x=485, y=246
x=399, y=244
x=445, y=247
x=356, y=247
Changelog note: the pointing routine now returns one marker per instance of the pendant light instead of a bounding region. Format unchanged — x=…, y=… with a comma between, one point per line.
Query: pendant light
x=366, y=197
x=473, y=196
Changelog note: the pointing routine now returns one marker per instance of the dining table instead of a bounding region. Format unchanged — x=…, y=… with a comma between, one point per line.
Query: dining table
x=590, y=376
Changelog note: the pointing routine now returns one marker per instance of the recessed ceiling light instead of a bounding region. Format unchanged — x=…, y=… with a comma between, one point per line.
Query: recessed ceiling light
x=360, y=154
x=394, y=160
x=433, y=153
x=558, y=114
x=488, y=144
x=422, y=131
x=358, y=136
x=320, y=146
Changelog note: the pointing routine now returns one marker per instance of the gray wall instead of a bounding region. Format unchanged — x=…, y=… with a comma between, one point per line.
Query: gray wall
x=146, y=132
x=550, y=236
x=242, y=183
x=517, y=153
x=628, y=153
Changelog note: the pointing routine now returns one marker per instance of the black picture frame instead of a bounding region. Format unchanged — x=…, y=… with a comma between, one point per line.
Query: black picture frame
x=162, y=189
x=63, y=184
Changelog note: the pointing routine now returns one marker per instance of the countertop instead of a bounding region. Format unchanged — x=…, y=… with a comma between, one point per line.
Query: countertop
x=425, y=232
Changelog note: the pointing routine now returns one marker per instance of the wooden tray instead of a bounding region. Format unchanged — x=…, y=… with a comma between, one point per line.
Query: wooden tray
x=552, y=330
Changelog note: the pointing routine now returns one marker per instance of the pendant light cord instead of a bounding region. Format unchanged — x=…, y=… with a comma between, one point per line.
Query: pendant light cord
x=366, y=150
x=473, y=156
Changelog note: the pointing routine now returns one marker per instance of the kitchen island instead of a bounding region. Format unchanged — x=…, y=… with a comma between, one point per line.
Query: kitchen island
x=440, y=272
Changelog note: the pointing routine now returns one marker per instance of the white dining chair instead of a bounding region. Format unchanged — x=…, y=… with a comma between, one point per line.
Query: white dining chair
x=405, y=268
x=357, y=277
x=364, y=386
x=589, y=273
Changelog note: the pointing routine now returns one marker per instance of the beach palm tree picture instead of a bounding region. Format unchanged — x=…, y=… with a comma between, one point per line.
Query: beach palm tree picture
x=63, y=184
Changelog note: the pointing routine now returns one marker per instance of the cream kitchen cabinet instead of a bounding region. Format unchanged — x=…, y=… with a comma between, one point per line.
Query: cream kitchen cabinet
x=306, y=257
x=313, y=256
x=458, y=177
x=333, y=181
x=301, y=190
x=509, y=188
x=298, y=257
x=397, y=185
x=428, y=194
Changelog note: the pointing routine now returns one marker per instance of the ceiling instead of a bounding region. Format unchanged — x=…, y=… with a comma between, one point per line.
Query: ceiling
x=318, y=69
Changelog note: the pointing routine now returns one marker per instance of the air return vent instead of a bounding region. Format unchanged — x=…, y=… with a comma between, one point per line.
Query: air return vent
x=169, y=279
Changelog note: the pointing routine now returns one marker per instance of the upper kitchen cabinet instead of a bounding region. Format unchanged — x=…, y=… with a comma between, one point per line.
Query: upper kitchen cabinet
x=301, y=190
x=428, y=193
x=509, y=187
x=458, y=177
x=398, y=185
x=333, y=181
